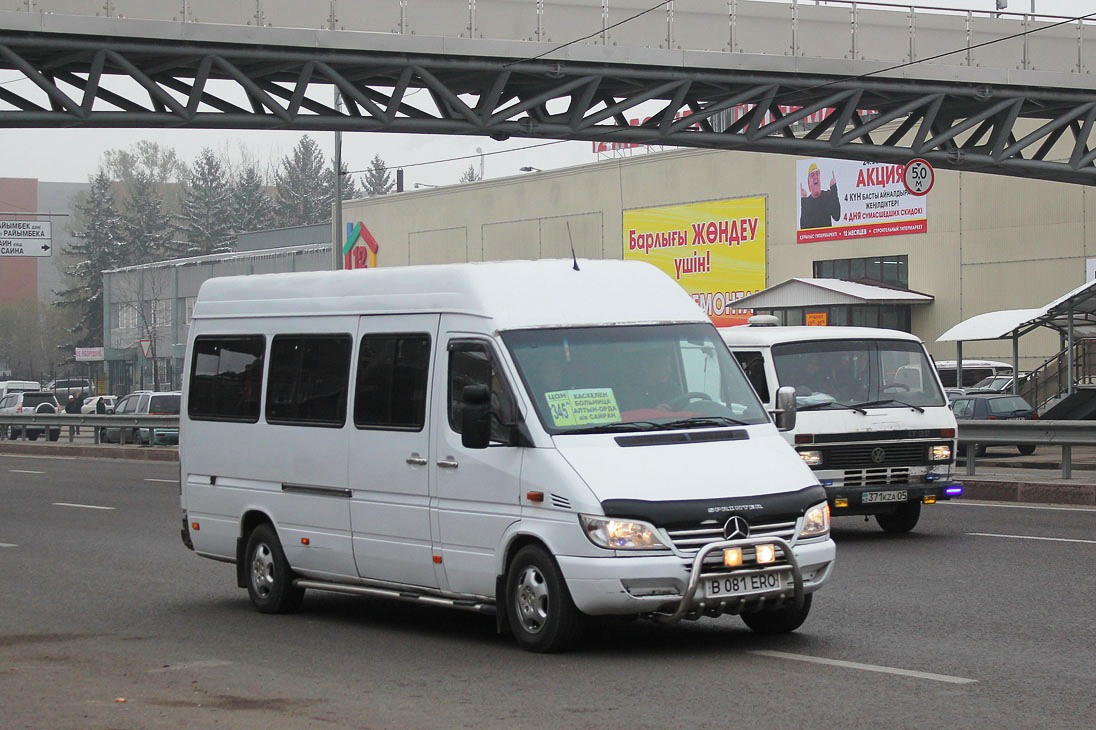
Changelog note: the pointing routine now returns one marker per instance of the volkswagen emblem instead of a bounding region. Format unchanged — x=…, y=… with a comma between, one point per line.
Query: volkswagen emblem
x=878, y=455
x=736, y=528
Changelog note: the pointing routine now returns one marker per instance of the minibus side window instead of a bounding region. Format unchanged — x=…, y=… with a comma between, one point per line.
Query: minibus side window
x=472, y=363
x=393, y=371
x=308, y=380
x=753, y=364
x=226, y=379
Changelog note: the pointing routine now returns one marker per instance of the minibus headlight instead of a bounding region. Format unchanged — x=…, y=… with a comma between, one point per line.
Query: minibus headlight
x=817, y=521
x=621, y=534
x=940, y=452
x=811, y=458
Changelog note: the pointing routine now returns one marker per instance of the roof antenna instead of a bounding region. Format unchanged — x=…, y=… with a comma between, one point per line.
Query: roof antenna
x=572, y=240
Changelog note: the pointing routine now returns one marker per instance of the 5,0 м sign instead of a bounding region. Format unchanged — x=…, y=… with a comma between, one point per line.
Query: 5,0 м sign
x=26, y=238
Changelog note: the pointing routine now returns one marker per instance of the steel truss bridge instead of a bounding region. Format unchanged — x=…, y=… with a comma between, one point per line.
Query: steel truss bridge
x=1015, y=119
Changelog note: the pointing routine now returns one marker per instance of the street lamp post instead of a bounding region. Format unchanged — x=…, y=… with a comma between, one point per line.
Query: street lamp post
x=530, y=168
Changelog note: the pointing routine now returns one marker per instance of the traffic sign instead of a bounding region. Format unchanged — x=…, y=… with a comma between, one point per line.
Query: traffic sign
x=918, y=176
x=146, y=348
x=26, y=238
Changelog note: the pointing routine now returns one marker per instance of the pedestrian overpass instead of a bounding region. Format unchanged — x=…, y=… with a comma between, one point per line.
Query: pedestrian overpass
x=1003, y=93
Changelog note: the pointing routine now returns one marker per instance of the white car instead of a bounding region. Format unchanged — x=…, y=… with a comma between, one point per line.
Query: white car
x=90, y=403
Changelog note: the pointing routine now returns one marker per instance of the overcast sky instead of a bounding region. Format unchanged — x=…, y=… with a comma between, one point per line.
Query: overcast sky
x=71, y=155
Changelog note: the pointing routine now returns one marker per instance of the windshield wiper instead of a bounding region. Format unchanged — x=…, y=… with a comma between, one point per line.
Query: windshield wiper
x=616, y=427
x=703, y=421
x=919, y=409
x=812, y=406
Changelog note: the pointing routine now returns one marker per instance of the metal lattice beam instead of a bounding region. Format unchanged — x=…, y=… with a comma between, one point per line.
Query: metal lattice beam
x=88, y=81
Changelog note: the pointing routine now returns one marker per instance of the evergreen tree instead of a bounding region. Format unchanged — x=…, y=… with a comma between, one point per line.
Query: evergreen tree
x=147, y=233
x=349, y=187
x=207, y=214
x=252, y=208
x=377, y=180
x=97, y=248
x=304, y=186
x=470, y=175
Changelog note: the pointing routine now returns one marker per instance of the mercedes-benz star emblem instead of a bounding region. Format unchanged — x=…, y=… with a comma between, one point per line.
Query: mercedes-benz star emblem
x=878, y=454
x=736, y=528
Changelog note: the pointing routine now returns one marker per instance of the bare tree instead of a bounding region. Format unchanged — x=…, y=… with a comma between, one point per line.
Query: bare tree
x=143, y=308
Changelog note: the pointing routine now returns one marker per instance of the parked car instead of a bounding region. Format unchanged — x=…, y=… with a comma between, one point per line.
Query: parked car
x=992, y=407
x=91, y=403
x=63, y=388
x=994, y=384
x=145, y=403
x=40, y=401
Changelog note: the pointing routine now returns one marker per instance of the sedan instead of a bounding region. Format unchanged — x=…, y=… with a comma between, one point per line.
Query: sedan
x=91, y=403
x=993, y=407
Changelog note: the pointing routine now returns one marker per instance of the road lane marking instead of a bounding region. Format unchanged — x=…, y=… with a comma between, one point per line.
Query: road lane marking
x=183, y=666
x=81, y=506
x=1032, y=537
x=7, y=544
x=165, y=481
x=1026, y=505
x=866, y=667
x=25, y=471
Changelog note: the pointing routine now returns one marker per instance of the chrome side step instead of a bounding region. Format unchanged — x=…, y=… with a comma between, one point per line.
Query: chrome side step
x=399, y=595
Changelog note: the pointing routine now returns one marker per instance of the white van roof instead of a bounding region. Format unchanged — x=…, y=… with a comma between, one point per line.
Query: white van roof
x=973, y=363
x=768, y=336
x=514, y=294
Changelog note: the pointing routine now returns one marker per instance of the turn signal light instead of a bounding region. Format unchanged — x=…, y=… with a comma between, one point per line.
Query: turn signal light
x=929, y=499
x=305, y=541
x=195, y=526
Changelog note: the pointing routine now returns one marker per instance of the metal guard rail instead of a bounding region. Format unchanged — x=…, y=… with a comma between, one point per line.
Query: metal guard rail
x=94, y=421
x=1065, y=434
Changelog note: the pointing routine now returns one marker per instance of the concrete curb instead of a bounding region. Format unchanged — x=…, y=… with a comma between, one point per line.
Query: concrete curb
x=1002, y=490
x=108, y=451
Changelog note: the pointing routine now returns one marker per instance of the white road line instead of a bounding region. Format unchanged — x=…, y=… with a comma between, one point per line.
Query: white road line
x=7, y=544
x=25, y=471
x=1026, y=505
x=1032, y=537
x=38, y=456
x=81, y=506
x=866, y=667
x=201, y=664
x=165, y=481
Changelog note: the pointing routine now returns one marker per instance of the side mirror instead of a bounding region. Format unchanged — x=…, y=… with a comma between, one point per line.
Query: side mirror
x=785, y=408
x=475, y=423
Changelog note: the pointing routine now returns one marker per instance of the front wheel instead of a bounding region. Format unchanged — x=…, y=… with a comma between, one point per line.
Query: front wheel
x=902, y=519
x=1026, y=449
x=543, y=618
x=780, y=621
x=269, y=577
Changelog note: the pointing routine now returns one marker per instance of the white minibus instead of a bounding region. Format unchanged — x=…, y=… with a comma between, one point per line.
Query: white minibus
x=18, y=386
x=543, y=441
x=872, y=421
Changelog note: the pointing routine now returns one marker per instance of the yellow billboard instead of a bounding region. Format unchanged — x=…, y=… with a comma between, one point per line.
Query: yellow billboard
x=715, y=250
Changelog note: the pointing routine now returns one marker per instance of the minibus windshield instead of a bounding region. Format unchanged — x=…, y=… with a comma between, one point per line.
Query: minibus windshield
x=862, y=374
x=635, y=377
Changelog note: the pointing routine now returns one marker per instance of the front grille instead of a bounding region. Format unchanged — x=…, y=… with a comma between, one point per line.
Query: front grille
x=689, y=539
x=875, y=477
x=874, y=455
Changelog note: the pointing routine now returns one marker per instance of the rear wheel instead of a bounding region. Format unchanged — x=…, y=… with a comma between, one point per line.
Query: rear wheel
x=780, y=621
x=269, y=577
x=543, y=618
x=902, y=519
x=1026, y=449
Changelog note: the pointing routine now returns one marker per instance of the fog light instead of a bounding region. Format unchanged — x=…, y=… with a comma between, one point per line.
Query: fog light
x=840, y=502
x=732, y=557
x=766, y=554
x=929, y=499
x=811, y=458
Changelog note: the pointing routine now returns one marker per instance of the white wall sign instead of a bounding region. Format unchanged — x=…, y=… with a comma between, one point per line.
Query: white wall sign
x=89, y=354
x=26, y=238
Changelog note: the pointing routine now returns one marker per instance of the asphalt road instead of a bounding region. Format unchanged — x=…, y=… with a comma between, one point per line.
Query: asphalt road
x=983, y=617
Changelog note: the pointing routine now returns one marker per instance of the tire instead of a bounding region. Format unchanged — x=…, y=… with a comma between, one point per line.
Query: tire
x=32, y=435
x=542, y=616
x=54, y=435
x=1026, y=449
x=981, y=451
x=903, y=519
x=780, y=621
x=269, y=577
